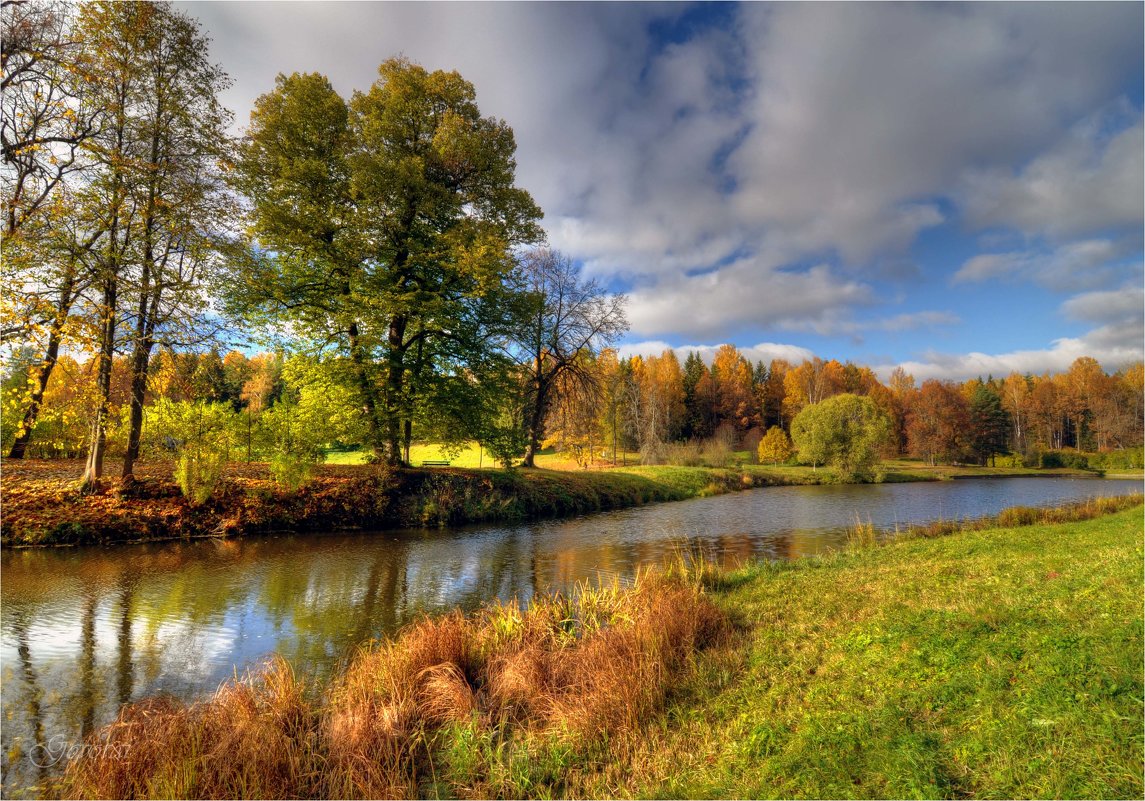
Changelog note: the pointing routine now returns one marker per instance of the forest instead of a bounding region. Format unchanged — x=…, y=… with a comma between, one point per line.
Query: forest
x=364, y=273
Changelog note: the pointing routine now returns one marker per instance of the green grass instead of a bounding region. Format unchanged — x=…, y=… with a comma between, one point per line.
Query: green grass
x=997, y=663
x=470, y=455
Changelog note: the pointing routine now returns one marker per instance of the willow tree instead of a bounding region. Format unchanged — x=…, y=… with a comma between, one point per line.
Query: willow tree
x=381, y=228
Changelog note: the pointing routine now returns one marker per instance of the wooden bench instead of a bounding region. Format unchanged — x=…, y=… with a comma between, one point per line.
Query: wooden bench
x=435, y=464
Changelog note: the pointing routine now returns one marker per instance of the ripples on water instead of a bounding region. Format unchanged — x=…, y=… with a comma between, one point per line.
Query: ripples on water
x=85, y=630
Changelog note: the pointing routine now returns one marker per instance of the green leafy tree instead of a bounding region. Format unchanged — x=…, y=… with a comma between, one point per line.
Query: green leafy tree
x=382, y=226
x=847, y=432
x=318, y=407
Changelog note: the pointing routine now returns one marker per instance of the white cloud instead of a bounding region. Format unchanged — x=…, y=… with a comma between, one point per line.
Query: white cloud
x=1124, y=304
x=762, y=352
x=909, y=321
x=1118, y=341
x=1089, y=182
x=863, y=111
x=1085, y=264
x=1112, y=355
x=786, y=136
x=747, y=292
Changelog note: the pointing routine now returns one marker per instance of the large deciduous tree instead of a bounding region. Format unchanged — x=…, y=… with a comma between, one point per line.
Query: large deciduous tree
x=44, y=82
x=383, y=228
x=938, y=420
x=153, y=197
x=845, y=431
x=568, y=317
x=46, y=118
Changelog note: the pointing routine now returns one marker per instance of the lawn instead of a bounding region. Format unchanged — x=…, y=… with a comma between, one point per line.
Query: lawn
x=997, y=663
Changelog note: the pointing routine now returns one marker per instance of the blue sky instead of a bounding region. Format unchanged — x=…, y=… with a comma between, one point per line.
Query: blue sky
x=956, y=188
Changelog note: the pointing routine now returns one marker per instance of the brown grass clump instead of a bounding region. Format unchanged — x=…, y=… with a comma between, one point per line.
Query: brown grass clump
x=250, y=739
x=591, y=668
x=521, y=684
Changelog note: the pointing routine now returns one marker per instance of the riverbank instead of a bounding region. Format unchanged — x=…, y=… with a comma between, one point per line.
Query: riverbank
x=43, y=507
x=995, y=662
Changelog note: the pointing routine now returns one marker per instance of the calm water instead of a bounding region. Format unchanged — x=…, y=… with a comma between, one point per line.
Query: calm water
x=85, y=630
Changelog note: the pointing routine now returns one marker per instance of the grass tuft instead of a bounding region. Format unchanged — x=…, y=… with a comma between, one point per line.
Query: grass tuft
x=491, y=704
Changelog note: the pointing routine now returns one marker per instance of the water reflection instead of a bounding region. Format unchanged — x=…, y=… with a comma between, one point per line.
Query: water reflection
x=86, y=630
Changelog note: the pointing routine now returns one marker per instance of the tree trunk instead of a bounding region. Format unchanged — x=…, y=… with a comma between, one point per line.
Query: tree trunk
x=366, y=387
x=51, y=355
x=33, y=410
x=93, y=470
x=536, y=422
x=140, y=358
x=394, y=384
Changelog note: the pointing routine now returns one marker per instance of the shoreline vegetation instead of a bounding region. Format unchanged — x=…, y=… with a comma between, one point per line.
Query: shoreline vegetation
x=44, y=507
x=1001, y=661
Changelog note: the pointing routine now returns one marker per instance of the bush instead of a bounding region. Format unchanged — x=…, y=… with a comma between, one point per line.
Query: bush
x=775, y=447
x=714, y=452
x=289, y=437
x=1124, y=459
x=291, y=471
x=1068, y=459
x=847, y=432
x=198, y=471
x=202, y=435
x=1010, y=460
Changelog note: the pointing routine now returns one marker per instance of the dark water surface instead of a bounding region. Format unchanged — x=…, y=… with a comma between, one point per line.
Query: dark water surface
x=85, y=630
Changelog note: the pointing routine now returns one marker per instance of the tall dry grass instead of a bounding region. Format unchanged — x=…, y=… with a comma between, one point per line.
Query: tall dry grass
x=453, y=704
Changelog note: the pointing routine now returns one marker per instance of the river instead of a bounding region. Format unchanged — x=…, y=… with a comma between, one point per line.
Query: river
x=85, y=630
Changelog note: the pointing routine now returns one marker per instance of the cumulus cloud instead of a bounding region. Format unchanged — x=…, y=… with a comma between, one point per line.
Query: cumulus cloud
x=762, y=352
x=1089, y=182
x=706, y=170
x=1112, y=353
x=909, y=321
x=1117, y=341
x=747, y=292
x=863, y=112
x=1125, y=303
x=1085, y=264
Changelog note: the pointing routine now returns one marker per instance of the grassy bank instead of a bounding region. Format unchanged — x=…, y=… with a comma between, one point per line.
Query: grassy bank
x=995, y=662
x=42, y=505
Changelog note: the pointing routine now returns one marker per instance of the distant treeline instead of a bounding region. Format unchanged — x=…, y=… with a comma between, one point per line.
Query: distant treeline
x=646, y=404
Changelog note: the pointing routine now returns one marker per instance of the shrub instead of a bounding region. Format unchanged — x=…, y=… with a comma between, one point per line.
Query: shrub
x=202, y=435
x=775, y=447
x=1068, y=459
x=198, y=470
x=1124, y=459
x=292, y=471
x=289, y=437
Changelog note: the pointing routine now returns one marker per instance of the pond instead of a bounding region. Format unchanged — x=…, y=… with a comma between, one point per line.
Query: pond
x=85, y=630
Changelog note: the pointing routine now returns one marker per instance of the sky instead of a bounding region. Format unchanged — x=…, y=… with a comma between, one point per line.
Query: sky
x=954, y=188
